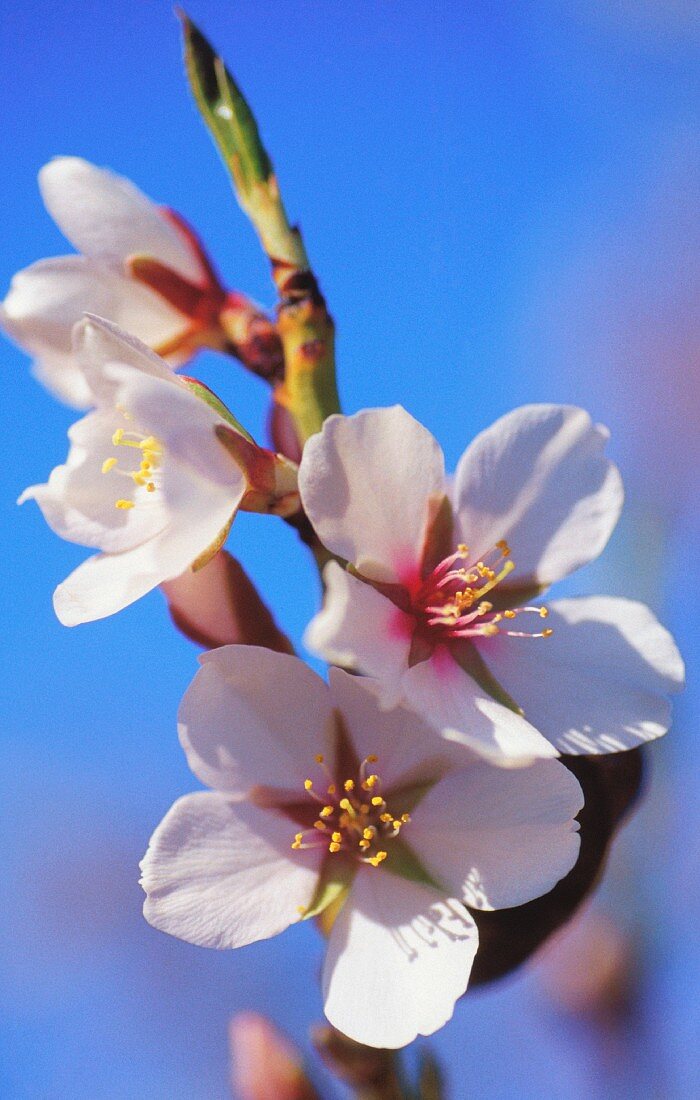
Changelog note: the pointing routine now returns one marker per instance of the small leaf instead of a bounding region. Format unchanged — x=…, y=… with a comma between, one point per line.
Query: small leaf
x=209, y=397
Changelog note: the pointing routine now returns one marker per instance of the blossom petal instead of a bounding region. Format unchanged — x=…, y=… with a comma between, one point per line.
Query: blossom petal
x=46, y=300
x=359, y=628
x=106, y=583
x=106, y=217
x=253, y=717
x=365, y=482
x=496, y=837
x=408, y=749
x=223, y=875
x=454, y=704
x=78, y=501
x=599, y=683
x=399, y=956
x=99, y=344
x=538, y=478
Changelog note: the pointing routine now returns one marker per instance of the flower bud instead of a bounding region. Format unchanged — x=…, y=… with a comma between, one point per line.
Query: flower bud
x=264, y=1064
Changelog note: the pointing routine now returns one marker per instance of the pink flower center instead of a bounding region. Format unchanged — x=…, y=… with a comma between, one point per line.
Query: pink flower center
x=451, y=603
x=353, y=816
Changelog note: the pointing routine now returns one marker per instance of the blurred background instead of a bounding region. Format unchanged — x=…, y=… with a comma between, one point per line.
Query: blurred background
x=500, y=201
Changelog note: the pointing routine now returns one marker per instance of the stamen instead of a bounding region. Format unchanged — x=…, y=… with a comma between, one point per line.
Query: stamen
x=124, y=505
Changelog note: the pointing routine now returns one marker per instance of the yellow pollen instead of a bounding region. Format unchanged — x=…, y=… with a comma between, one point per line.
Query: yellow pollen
x=547, y=633
x=372, y=781
x=301, y=910
x=544, y=612
x=489, y=629
x=379, y=858
x=307, y=784
x=150, y=487
x=320, y=825
x=108, y=464
x=372, y=759
x=334, y=846
x=149, y=444
x=296, y=844
x=345, y=804
x=331, y=789
x=368, y=833
x=319, y=758
x=349, y=785
x=405, y=818
x=377, y=800
x=386, y=817
x=336, y=838
x=364, y=844
x=117, y=437
x=326, y=811
x=124, y=505
x=463, y=548
x=509, y=614
x=484, y=607
x=397, y=824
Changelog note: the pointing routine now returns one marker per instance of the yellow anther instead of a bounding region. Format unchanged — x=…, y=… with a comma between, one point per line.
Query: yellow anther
x=405, y=818
x=149, y=444
x=364, y=844
x=298, y=836
x=368, y=833
x=509, y=614
x=371, y=781
x=124, y=505
x=326, y=811
x=372, y=759
x=150, y=487
x=117, y=437
x=320, y=825
x=108, y=464
x=319, y=758
x=377, y=800
x=345, y=804
x=397, y=824
x=336, y=838
x=386, y=817
x=463, y=548
x=489, y=629
x=379, y=858
x=544, y=612
x=331, y=789
x=296, y=844
x=301, y=910
x=484, y=607
x=334, y=846
x=307, y=784
x=547, y=633
x=349, y=785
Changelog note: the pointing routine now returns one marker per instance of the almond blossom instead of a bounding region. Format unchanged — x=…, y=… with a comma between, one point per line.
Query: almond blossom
x=440, y=597
x=154, y=476
x=141, y=266
x=321, y=801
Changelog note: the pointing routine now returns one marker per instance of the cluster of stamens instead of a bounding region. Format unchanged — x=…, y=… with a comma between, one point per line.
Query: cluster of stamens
x=143, y=476
x=353, y=816
x=451, y=600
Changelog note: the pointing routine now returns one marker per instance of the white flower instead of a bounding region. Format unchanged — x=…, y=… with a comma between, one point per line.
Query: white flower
x=141, y=266
x=321, y=796
x=435, y=607
x=147, y=481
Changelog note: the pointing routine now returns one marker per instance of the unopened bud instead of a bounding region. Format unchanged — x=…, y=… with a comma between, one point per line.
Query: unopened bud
x=264, y=1064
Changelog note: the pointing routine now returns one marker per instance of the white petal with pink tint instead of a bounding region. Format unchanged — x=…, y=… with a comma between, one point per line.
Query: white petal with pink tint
x=453, y=703
x=365, y=482
x=254, y=717
x=600, y=682
x=361, y=629
x=539, y=479
x=399, y=956
x=499, y=838
x=106, y=217
x=222, y=875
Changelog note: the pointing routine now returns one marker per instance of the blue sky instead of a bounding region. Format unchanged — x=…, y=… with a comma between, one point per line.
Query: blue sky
x=499, y=200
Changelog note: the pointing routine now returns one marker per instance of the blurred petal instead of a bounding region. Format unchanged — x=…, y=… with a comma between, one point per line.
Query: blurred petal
x=538, y=478
x=106, y=217
x=264, y=1063
x=399, y=956
x=223, y=875
x=365, y=482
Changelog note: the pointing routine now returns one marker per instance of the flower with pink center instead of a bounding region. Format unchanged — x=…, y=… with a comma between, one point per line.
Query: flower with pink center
x=140, y=265
x=323, y=802
x=440, y=597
